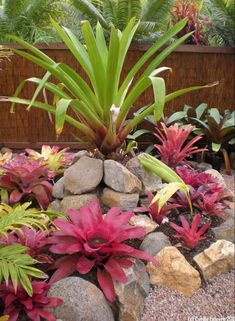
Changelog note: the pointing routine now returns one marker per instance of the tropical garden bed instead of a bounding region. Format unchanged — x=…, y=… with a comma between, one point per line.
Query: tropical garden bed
x=140, y=211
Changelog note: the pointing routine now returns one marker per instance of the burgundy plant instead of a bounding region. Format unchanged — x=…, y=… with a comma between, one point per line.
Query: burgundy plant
x=34, y=307
x=205, y=192
x=181, y=199
x=173, y=149
x=153, y=209
x=34, y=240
x=191, y=10
x=24, y=176
x=209, y=204
x=90, y=240
x=190, y=235
x=198, y=179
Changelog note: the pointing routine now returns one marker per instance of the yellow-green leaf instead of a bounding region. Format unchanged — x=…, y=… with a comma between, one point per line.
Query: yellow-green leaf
x=167, y=191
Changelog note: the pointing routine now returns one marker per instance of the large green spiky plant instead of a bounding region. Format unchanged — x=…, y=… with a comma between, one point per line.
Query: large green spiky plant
x=153, y=14
x=221, y=30
x=101, y=105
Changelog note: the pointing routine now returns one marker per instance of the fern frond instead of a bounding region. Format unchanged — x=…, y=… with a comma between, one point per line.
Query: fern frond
x=157, y=11
x=147, y=27
x=126, y=9
x=29, y=19
x=90, y=10
x=17, y=266
x=222, y=16
x=110, y=12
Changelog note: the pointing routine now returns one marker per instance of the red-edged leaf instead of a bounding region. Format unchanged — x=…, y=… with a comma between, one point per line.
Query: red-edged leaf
x=184, y=222
x=123, y=262
x=112, y=214
x=114, y=269
x=106, y=283
x=6, y=182
x=15, y=197
x=203, y=229
x=131, y=232
x=42, y=196
x=84, y=265
x=195, y=223
x=65, y=266
x=65, y=248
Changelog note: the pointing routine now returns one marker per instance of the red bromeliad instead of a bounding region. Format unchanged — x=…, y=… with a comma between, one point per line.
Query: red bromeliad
x=27, y=177
x=206, y=193
x=210, y=204
x=153, y=209
x=199, y=179
x=34, y=240
x=173, y=149
x=20, y=303
x=90, y=240
x=190, y=235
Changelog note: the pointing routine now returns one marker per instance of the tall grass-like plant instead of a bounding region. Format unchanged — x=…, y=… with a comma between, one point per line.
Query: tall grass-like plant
x=101, y=105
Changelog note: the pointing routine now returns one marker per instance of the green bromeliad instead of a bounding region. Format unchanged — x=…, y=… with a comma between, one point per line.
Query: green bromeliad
x=101, y=105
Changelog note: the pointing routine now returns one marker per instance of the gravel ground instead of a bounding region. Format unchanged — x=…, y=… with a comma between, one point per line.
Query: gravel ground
x=215, y=301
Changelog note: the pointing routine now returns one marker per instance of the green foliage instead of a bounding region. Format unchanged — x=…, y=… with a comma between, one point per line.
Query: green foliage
x=221, y=30
x=28, y=19
x=218, y=129
x=168, y=175
x=153, y=15
x=12, y=218
x=101, y=106
x=14, y=263
x=17, y=266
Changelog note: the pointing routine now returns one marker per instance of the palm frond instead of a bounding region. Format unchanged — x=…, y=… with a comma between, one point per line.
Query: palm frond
x=17, y=266
x=12, y=218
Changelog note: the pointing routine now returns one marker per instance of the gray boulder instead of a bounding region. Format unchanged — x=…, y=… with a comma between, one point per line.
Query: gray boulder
x=83, y=301
x=226, y=230
x=58, y=189
x=124, y=201
x=151, y=182
x=131, y=295
x=83, y=176
x=76, y=201
x=154, y=243
x=119, y=178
